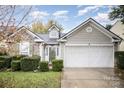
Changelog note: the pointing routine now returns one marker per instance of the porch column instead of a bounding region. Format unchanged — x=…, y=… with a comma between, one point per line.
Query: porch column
x=61, y=51
x=42, y=52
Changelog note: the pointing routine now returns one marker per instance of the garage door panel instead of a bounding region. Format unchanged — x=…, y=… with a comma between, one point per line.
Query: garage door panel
x=84, y=56
x=76, y=56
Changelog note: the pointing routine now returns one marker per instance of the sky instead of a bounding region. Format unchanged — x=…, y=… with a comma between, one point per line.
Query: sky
x=69, y=16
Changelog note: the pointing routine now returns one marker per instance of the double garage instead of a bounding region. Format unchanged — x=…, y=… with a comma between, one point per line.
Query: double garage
x=89, y=56
x=89, y=45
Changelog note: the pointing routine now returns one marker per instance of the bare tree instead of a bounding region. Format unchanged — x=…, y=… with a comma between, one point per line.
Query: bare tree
x=12, y=17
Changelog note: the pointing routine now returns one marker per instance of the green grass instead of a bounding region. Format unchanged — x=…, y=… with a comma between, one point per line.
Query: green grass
x=30, y=79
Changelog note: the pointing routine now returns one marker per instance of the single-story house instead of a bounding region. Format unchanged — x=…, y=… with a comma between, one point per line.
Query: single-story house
x=118, y=29
x=87, y=45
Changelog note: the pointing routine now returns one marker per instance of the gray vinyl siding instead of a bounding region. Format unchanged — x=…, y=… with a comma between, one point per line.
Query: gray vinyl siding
x=33, y=49
x=81, y=36
x=13, y=49
x=36, y=49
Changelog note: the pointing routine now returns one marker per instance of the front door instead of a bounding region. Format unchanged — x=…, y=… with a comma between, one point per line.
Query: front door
x=52, y=53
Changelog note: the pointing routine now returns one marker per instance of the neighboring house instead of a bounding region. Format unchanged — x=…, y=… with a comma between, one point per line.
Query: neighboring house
x=87, y=45
x=118, y=28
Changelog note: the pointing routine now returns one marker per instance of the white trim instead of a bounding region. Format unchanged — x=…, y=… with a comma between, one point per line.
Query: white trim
x=64, y=56
x=88, y=44
x=60, y=47
x=47, y=56
x=114, y=55
x=54, y=26
x=37, y=40
x=41, y=51
x=62, y=40
x=57, y=52
x=115, y=40
x=76, y=44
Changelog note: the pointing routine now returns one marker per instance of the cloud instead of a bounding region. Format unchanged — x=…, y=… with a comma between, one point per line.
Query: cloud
x=110, y=7
x=61, y=14
x=39, y=14
x=88, y=9
x=103, y=18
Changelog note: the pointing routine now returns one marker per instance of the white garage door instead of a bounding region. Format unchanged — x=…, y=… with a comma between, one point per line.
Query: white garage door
x=84, y=56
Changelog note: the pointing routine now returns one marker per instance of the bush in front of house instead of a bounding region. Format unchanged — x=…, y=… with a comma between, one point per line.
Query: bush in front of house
x=29, y=63
x=7, y=61
x=15, y=65
x=36, y=57
x=57, y=65
x=1, y=64
x=120, y=63
x=119, y=55
x=18, y=57
x=3, y=53
x=36, y=61
x=26, y=64
x=43, y=66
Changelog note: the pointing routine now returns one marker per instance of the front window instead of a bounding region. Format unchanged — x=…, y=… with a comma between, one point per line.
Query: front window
x=54, y=34
x=24, y=48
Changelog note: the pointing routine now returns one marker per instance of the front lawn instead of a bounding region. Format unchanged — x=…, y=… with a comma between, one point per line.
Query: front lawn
x=30, y=79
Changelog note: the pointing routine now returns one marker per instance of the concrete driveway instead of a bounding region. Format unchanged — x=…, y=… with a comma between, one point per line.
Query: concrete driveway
x=90, y=78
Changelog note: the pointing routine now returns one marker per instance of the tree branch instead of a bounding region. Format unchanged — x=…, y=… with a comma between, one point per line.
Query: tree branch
x=24, y=16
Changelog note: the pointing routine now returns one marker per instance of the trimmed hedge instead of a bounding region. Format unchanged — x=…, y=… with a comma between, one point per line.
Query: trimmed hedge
x=18, y=57
x=1, y=64
x=57, y=65
x=119, y=55
x=29, y=63
x=3, y=53
x=36, y=61
x=15, y=65
x=43, y=66
x=7, y=61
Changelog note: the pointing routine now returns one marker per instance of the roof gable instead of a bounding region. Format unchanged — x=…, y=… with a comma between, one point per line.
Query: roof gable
x=103, y=30
x=118, y=28
x=54, y=26
x=37, y=38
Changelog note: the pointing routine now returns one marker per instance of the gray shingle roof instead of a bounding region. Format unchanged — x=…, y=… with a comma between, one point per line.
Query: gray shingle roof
x=48, y=40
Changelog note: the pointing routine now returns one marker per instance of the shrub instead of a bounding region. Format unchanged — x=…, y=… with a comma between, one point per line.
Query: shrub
x=29, y=63
x=1, y=64
x=26, y=64
x=36, y=61
x=18, y=57
x=57, y=65
x=43, y=66
x=15, y=65
x=36, y=57
x=120, y=59
x=7, y=61
x=3, y=53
